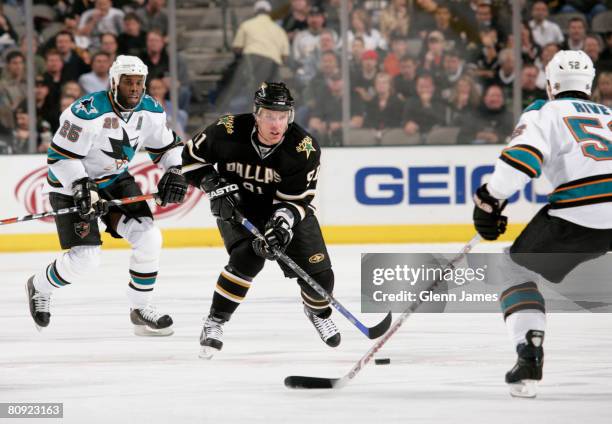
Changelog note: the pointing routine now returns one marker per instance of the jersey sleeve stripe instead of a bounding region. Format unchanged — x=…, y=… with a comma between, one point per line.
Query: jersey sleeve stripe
x=192, y=154
x=294, y=206
x=176, y=143
x=524, y=160
x=530, y=149
x=193, y=167
x=55, y=152
x=300, y=196
x=518, y=165
x=157, y=154
x=53, y=180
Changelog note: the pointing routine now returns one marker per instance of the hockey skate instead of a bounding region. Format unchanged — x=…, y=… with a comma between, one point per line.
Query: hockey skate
x=211, y=337
x=148, y=322
x=527, y=371
x=39, y=305
x=325, y=327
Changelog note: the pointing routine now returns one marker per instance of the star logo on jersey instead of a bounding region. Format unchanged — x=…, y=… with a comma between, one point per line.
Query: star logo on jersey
x=87, y=106
x=306, y=146
x=228, y=123
x=123, y=151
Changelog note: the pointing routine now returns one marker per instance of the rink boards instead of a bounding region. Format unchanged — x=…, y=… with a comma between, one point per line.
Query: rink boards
x=364, y=195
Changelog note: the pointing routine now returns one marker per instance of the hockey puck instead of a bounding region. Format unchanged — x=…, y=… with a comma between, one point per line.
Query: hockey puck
x=382, y=361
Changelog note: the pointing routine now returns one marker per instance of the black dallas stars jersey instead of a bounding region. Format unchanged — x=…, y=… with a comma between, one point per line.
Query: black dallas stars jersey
x=284, y=175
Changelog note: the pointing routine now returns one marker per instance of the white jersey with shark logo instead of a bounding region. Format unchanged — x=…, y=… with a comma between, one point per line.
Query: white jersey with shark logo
x=98, y=141
x=570, y=142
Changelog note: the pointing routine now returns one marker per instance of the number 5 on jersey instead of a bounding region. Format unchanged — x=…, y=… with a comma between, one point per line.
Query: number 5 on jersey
x=594, y=146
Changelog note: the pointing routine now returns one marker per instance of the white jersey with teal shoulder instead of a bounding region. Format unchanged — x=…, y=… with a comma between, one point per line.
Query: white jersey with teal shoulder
x=98, y=141
x=570, y=142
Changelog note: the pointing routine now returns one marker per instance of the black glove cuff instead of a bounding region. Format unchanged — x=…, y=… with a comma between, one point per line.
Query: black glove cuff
x=83, y=184
x=210, y=179
x=486, y=202
x=175, y=170
x=286, y=215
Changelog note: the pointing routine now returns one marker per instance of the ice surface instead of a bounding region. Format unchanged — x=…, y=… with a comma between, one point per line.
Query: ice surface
x=445, y=368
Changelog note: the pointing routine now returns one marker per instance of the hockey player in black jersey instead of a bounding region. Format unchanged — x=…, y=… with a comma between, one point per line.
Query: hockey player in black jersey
x=266, y=168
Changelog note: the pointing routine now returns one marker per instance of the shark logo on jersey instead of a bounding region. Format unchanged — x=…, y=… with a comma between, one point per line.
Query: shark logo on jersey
x=123, y=151
x=87, y=106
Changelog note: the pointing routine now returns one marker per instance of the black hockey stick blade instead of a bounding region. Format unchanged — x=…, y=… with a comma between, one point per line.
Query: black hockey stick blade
x=301, y=382
x=380, y=328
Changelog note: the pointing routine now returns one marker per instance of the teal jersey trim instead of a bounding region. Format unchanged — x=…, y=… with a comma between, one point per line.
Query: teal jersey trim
x=536, y=105
x=92, y=106
x=595, y=188
x=107, y=182
x=144, y=281
x=526, y=158
x=97, y=104
x=52, y=176
x=53, y=180
x=155, y=157
x=149, y=104
x=55, y=156
x=519, y=297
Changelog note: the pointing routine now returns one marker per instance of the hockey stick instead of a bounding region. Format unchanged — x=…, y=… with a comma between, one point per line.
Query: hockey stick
x=73, y=209
x=303, y=382
x=370, y=332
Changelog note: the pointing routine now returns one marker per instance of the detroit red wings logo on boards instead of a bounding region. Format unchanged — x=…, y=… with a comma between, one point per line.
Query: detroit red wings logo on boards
x=28, y=192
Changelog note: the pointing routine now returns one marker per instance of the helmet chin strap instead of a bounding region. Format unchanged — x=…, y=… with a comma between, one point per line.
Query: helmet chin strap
x=549, y=91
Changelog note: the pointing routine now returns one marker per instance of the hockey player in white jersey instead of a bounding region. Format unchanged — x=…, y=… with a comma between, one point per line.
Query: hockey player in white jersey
x=568, y=140
x=88, y=160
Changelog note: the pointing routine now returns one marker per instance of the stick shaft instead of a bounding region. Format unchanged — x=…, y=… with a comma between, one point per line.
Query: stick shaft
x=371, y=333
x=124, y=201
x=403, y=317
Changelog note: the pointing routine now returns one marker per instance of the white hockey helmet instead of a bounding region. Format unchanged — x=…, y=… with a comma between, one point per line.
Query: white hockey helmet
x=570, y=70
x=125, y=65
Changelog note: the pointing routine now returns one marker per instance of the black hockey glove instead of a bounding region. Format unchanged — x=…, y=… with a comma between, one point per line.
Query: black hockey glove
x=172, y=187
x=87, y=199
x=488, y=220
x=224, y=196
x=277, y=236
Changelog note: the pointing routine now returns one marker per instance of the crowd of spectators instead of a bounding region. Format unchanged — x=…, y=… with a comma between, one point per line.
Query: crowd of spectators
x=417, y=65
x=75, y=44
x=414, y=65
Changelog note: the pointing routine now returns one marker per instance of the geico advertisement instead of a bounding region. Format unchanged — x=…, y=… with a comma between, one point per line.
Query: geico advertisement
x=411, y=185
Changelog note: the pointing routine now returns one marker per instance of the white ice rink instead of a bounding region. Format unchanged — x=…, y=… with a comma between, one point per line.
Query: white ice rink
x=445, y=368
